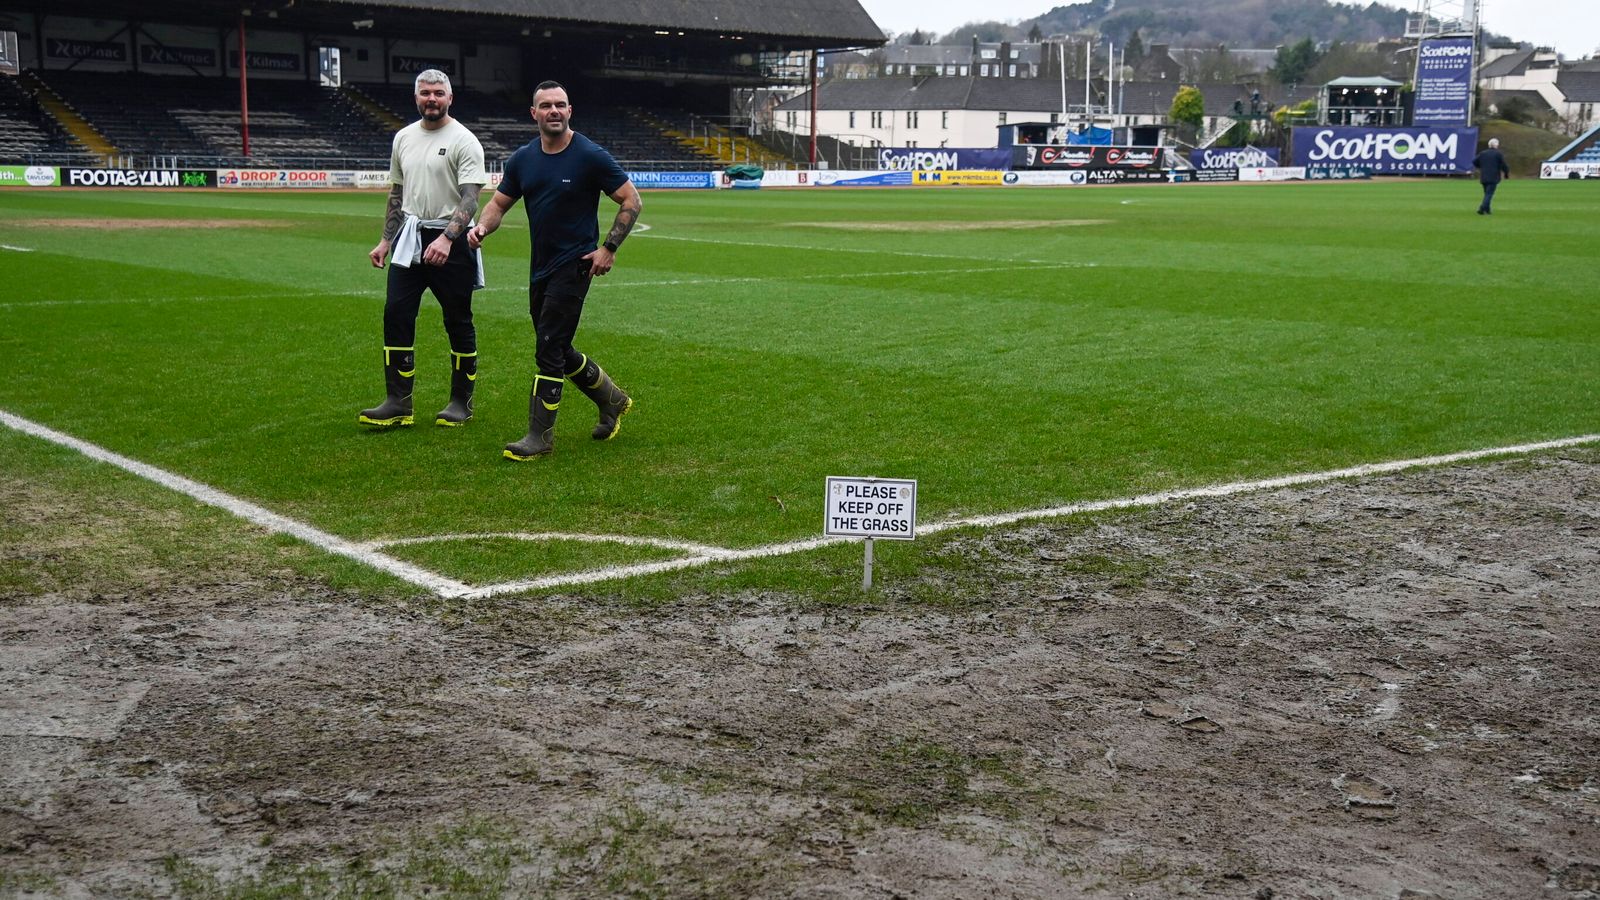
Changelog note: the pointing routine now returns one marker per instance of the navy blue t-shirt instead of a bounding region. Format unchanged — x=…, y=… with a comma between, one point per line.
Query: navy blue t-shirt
x=562, y=194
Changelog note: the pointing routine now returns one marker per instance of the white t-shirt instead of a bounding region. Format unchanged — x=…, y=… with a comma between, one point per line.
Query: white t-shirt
x=432, y=165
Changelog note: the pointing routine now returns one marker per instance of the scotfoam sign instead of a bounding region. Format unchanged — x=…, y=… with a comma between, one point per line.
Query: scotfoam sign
x=1444, y=82
x=1234, y=158
x=910, y=159
x=1388, y=151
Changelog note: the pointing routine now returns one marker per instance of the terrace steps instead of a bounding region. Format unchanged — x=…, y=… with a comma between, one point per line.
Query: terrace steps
x=75, y=125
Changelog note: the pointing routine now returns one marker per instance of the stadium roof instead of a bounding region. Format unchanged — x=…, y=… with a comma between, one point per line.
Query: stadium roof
x=805, y=23
x=1368, y=81
x=841, y=20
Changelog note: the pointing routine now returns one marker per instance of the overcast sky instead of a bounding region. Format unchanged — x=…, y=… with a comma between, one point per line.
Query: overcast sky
x=1571, y=26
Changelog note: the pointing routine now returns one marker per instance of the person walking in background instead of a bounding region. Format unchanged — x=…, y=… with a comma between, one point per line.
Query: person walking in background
x=1491, y=166
x=561, y=176
x=436, y=172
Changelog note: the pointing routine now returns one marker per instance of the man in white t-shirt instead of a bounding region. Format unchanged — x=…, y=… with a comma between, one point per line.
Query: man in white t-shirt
x=436, y=171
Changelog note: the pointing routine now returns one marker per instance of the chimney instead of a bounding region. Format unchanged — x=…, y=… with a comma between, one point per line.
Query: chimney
x=1005, y=58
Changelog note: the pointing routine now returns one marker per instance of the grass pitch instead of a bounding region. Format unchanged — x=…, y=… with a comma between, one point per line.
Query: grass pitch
x=1155, y=338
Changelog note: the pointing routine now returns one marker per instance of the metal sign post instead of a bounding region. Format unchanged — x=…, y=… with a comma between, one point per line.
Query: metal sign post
x=866, y=568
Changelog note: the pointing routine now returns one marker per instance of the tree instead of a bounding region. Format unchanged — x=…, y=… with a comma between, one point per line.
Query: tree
x=1188, y=106
x=1294, y=62
x=1134, y=49
x=1034, y=34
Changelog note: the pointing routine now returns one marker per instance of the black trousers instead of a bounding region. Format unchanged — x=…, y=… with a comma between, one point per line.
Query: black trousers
x=451, y=284
x=556, y=304
x=1488, y=195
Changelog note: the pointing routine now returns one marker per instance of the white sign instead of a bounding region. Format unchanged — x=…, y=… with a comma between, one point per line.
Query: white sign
x=1273, y=173
x=884, y=508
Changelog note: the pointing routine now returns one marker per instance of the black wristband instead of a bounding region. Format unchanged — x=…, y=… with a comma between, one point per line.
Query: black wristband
x=610, y=246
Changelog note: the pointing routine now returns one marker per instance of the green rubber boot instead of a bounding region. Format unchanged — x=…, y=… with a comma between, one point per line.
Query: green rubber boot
x=399, y=369
x=612, y=401
x=544, y=399
x=463, y=376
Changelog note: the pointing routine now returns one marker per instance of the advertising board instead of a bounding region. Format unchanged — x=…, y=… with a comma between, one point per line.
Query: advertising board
x=139, y=178
x=1569, y=170
x=1214, y=175
x=29, y=176
x=955, y=179
x=1337, y=173
x=915, y=159
x=1233, y=158
x=1045, y=177
x=1388, y=151
x=863, y=179
x=1273, y=173
x=273, y=178
x=1036, y=156
x=681, y=180
x=1443, y=83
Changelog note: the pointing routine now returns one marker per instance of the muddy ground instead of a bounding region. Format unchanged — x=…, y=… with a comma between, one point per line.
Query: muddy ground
x=1385, y=688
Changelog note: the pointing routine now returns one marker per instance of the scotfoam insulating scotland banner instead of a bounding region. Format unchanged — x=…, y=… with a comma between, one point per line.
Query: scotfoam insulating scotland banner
x=1444, y=83
x=1388, y=151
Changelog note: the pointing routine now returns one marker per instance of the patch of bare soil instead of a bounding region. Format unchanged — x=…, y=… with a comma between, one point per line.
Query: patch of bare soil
x=1384, y=688
x=141, y=224
x=921, y=226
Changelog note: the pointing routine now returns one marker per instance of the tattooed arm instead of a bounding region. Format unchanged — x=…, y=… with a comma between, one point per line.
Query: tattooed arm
x=626, y=197
x=465, y=210
x=392, y=221
x=438, y=252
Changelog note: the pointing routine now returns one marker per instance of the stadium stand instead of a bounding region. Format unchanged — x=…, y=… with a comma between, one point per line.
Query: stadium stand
x=26, y=130
x=195, y=121
x=502, y=125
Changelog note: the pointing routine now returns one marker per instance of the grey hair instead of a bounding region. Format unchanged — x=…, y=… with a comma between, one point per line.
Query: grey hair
x=1494, y=142
x=432, y=76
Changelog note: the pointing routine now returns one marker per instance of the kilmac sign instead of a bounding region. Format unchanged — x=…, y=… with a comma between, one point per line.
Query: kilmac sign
x=1388, y=151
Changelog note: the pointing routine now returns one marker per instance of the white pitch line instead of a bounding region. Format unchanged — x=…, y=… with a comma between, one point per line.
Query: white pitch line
x=628, y=539
x=16, y=249
x=244, y=509
x=621, y=284
x=1144, y=500
x=876, y=252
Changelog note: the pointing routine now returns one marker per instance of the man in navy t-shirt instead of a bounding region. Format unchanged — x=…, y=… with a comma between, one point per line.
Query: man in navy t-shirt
x=561, y=177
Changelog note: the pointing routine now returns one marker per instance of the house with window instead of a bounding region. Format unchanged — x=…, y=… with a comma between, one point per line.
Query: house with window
x=1570, y=90
x=980, y=60
x=965, y=112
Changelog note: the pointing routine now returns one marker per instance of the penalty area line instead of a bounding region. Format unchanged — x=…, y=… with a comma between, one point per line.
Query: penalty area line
x=615, y=573
x=244, y=509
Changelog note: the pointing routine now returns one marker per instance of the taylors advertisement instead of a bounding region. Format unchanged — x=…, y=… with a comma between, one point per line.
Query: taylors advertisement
x=29, y=176
x=1388, y=151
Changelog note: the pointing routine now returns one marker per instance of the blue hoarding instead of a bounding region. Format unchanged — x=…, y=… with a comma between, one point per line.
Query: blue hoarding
x=1388, y=151
x=1444, y=83
x=673, y=179
x=916, y=159
x=1234, y=158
